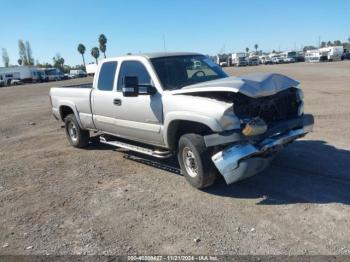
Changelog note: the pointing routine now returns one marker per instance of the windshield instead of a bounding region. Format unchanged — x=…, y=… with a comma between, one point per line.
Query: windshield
x=175, y=72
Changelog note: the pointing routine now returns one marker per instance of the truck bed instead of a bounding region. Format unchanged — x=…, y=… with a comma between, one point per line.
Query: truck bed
x=77, y=98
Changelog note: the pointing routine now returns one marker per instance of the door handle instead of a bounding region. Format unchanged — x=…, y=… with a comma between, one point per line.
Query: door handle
x=117, y=102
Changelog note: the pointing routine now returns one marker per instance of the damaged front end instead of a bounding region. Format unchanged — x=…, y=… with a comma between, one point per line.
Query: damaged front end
x=266, y=113
x=244, y=158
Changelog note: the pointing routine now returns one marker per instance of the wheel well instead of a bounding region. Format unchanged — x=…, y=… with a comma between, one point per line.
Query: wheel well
x=65, y=111
x=178, y=128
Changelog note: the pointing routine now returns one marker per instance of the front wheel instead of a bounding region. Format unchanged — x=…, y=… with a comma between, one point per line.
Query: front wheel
x=76, y=136
x=195, y=161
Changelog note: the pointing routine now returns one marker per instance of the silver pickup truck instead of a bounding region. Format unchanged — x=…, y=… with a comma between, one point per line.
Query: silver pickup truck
x=163, y=104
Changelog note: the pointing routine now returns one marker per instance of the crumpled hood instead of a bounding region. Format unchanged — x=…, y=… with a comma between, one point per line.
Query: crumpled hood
x=252, y=85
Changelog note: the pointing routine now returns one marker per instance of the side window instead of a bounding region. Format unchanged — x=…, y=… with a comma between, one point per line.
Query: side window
x=133, y=68
x=106, y=76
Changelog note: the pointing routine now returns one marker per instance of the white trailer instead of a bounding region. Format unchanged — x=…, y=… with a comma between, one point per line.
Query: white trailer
x=91, y=69
x=333, y=53
x=313, y=56
x=239, y=59
x=23, y=73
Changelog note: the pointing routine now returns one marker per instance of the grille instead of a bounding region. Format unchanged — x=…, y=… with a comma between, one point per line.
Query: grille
x=281, y=106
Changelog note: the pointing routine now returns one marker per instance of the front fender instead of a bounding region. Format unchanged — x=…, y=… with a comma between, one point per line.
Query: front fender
x=212, y=123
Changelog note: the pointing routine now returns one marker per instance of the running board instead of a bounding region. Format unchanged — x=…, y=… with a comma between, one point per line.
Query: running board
x=135, y=148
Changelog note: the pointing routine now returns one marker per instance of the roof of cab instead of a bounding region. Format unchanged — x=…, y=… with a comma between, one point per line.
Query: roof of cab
x=152, y=55
x=166, y=54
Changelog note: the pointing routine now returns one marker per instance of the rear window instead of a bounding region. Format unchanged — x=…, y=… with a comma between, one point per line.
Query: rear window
x=106, y=76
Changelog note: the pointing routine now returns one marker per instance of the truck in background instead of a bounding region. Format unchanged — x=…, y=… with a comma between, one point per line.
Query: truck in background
x=253, y=60
x=27, y=74
x=239, y=59
x=91, y=69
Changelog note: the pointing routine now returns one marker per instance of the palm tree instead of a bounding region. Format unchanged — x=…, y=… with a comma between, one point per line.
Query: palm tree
x=81, y=50
x=256, y=47
x=95, y=53
x=103, y=41
x=247, y=49
x=19, y=61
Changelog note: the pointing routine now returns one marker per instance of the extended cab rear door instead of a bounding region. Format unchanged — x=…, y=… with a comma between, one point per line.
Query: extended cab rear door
x=102, y=97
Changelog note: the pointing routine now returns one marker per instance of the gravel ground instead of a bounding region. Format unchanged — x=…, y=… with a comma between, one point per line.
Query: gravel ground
x=55, y=199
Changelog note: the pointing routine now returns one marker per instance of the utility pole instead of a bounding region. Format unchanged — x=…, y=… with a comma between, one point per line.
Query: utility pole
x=319, y=41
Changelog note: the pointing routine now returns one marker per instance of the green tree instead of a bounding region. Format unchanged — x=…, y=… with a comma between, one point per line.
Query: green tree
x=19, y=61
x=58, y=62
x=309, y=47
x=103, y=41
x=81, y=50
x=29, y=54
x=256, y=46
x=337, y=43
x=95, y=52
x=247, y=49
x=329, y=43
x=5, y=57
x=22, y=52
x=25, y=52
x=323, y=44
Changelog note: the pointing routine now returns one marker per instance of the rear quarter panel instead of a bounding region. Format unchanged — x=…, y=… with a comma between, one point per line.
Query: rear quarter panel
x=78, y=99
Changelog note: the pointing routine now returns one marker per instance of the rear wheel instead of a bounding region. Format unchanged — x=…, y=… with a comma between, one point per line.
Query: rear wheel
x=195, y=161
x=76, y=136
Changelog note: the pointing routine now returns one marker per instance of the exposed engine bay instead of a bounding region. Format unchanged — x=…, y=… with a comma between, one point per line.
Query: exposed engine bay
x=280, y=106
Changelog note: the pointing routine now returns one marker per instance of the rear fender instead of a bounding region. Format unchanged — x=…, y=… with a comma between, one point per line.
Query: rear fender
x=74, y=109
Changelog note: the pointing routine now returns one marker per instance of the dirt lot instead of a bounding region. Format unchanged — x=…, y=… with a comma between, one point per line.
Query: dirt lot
x=55, y=199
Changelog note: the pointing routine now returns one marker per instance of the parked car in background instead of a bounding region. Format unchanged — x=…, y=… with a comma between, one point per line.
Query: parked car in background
x=2, y=82
x=16, y=82
x=277, y=60
x=53, y=74
x=265, y=60
x=76, y=73
x=288, y=60
x=159, y=105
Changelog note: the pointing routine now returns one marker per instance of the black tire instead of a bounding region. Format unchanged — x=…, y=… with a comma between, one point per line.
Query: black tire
x=77, y=137
x=206, y=172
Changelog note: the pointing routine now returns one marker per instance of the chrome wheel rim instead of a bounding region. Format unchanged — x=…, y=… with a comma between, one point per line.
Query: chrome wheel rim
x=190, y=162
x=73, y=132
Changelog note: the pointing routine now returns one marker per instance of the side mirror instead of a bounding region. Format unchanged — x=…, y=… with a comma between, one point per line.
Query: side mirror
x=131, y=86
x=147, y=90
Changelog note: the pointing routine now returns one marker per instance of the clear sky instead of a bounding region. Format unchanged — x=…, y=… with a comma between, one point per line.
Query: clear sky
x=205, y=26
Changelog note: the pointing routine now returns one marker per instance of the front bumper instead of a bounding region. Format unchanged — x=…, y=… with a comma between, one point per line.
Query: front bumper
x=244, y=159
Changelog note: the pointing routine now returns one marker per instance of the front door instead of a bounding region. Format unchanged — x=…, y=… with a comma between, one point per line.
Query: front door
x=139, y=117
